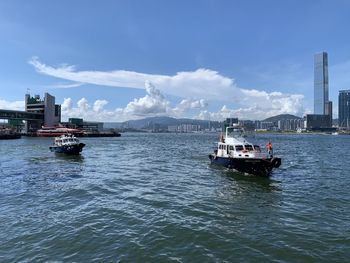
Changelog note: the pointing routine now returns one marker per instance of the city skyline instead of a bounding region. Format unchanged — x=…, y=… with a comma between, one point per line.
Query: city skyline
x=127, y=60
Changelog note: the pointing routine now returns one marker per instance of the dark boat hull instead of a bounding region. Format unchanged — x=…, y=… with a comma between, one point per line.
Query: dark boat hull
x=10, y=136
x=254, y=166
x=68, y=149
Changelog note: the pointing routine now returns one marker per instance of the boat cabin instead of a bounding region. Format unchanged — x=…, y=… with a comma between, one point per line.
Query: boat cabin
x=66, y=140
x=235, y=145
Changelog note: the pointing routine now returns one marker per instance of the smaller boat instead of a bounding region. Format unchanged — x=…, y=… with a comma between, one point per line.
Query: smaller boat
x=67, y=144
x=8, y=134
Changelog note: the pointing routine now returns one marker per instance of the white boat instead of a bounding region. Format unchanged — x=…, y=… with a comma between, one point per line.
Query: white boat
x=235, y=152
x=67, y=144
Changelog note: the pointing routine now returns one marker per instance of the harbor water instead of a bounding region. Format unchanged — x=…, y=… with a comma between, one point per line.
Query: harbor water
x=155, y=198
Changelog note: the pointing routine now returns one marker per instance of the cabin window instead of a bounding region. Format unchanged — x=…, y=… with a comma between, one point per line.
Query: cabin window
x=222, y=147
x=239, y=148
x=257, y=148
x=248, y=147
x=231, y=147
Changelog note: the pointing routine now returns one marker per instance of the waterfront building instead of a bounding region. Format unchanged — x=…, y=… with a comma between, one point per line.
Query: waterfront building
x=78, y=123
x=319, y=122
x=344, y=109
x=184, y=128
x=248, y=125
x=172, y=128
x=267, y=125
x=231, y=121
x=290, y=124
x=46, y=107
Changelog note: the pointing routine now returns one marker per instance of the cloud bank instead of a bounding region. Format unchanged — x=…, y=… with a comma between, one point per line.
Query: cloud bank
x=203, y=83
x=197, y=88
x=153, y=103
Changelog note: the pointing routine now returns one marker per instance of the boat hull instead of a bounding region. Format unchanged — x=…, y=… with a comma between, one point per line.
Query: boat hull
x=254, y=166
x=68, y=149
x=9, y=136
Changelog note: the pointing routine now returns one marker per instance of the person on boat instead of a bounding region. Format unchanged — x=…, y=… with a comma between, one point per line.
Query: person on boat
x=222, y=138
x=269, y=148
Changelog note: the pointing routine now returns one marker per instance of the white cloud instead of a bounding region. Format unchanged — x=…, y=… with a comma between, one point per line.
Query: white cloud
x=202, y=85
x=187, y=105
x=83, y=105
x=14, y=105
x=99, y=104
x=254, y=112
x=154, y=103
x=67, y=104
x=67, y=85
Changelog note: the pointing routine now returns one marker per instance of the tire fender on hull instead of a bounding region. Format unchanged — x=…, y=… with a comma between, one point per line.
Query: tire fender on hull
x=276, y=162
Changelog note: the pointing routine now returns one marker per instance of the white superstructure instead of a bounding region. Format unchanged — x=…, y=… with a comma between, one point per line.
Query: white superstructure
x=233, y=144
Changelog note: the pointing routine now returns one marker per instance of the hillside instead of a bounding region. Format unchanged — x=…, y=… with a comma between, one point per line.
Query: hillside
x=282, y=117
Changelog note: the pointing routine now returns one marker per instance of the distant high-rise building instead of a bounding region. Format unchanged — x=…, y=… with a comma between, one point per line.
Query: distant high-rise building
x=321, y=83
x=329, y=108
x=344, y=108
x=322, y=104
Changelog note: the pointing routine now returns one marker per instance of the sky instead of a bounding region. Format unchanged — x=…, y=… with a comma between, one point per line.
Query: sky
x=204, y=59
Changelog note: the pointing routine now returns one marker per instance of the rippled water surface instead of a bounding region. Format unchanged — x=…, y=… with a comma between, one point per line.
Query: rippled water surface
x=155, y=198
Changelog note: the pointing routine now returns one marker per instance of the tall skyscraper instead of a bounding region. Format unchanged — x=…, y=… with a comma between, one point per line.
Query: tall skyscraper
x=322, y=117
x=321, y=104
x=344, y=108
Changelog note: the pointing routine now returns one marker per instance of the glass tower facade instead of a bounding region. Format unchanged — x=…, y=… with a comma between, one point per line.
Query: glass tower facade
x=344, y=108
x=321, y=84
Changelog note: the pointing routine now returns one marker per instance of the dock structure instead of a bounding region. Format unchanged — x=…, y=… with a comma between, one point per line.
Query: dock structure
x=38, y=112
x=21, y=115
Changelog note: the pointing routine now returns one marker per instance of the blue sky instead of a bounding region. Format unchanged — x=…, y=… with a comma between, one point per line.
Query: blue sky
x=118, y=60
